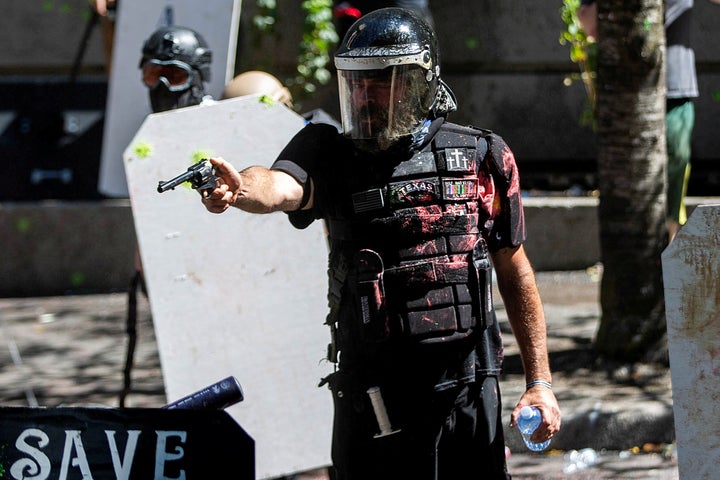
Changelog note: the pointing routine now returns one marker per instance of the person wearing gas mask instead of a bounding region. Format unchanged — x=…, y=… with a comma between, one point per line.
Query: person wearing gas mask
x=175, y=66
x=419, y=212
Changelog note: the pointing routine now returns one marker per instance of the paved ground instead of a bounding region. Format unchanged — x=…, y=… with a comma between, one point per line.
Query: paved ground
x=71, y=351
x=624, y=416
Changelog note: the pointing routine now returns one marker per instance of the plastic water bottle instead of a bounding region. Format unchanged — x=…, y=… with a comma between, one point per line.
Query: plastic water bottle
x=528, y=421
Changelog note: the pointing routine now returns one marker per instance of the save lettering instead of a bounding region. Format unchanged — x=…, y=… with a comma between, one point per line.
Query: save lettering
x=36, y=465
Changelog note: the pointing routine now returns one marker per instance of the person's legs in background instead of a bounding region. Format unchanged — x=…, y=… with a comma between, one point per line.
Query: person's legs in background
x=679, y=123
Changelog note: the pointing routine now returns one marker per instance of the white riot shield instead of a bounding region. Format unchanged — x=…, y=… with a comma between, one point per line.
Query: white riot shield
x=128, y=104
x=235, y=294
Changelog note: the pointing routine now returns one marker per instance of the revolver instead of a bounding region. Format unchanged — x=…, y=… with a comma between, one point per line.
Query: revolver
x=201, y=176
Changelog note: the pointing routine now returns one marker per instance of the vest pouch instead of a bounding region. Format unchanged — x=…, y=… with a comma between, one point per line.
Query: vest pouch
x=439, y=307
x=372, y=310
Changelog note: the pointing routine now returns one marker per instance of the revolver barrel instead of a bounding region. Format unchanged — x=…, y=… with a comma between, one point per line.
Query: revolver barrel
x=174, y=182
x=201, y=175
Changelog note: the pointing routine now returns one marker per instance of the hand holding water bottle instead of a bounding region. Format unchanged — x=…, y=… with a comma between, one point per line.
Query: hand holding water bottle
x=529, y=420
x=538, y=397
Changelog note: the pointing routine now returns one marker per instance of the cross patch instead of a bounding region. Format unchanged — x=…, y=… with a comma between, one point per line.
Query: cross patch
x=458, y=160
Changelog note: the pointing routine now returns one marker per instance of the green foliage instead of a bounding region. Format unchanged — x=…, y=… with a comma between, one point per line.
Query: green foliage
x=318, y=38
x=582, y=51
x=266, y=17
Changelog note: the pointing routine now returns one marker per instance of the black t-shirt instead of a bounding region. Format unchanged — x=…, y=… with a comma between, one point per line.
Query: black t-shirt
x=319, y=153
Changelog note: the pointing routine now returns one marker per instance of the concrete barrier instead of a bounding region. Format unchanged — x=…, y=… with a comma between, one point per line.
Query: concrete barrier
x=54, y=248
x=62, y=247
x=562, y=232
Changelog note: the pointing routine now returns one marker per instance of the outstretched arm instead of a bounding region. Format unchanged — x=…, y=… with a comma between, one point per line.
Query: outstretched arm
x=254, y=190
x=516, y=282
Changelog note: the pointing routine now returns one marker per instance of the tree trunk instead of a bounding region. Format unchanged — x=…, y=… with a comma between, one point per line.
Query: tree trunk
x=631, y=167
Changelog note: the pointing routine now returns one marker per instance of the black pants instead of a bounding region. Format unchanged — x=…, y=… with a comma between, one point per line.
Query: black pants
x=447, y=435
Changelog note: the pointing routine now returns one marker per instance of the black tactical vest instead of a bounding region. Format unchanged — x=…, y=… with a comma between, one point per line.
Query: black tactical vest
x=409, y=262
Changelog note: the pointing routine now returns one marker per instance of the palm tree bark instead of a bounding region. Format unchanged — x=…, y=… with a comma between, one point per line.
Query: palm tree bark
x=631, y=167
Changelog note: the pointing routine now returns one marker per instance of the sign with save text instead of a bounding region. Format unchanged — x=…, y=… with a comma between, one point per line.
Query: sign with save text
x=112, y=444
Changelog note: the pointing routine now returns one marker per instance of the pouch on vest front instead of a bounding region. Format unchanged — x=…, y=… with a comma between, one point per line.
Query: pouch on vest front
x=371, y=296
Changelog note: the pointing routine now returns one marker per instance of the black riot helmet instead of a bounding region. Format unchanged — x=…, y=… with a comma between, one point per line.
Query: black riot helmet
x=389, y=79
x=175, y=64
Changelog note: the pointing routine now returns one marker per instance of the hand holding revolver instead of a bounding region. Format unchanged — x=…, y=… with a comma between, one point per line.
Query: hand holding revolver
x=227, y=187
x=256, y=189
x=201, y=176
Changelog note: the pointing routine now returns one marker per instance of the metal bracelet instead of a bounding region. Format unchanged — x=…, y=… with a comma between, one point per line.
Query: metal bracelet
x=534, y=383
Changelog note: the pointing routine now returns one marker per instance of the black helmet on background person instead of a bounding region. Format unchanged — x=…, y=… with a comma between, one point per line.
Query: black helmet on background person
x=256, y=82
x=389, y=79
x=181, y=44
x=175, y=64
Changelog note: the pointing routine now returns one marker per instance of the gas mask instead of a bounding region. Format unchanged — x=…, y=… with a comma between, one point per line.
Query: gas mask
x=172, y=84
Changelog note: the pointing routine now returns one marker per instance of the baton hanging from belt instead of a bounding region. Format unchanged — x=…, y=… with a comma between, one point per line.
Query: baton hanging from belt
x=380, y=412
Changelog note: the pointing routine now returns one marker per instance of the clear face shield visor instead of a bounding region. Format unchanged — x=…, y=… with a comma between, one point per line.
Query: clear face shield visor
x=385, y=104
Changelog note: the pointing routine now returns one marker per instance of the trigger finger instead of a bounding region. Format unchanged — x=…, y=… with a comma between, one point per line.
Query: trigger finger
x=218, y=192
x=228, y=197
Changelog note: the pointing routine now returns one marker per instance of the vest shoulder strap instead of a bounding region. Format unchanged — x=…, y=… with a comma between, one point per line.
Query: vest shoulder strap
x=467, y=129
x=480, y=134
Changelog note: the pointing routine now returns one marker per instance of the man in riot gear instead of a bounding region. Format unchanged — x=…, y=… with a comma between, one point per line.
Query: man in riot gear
x=417, y=208
x=175, y=65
